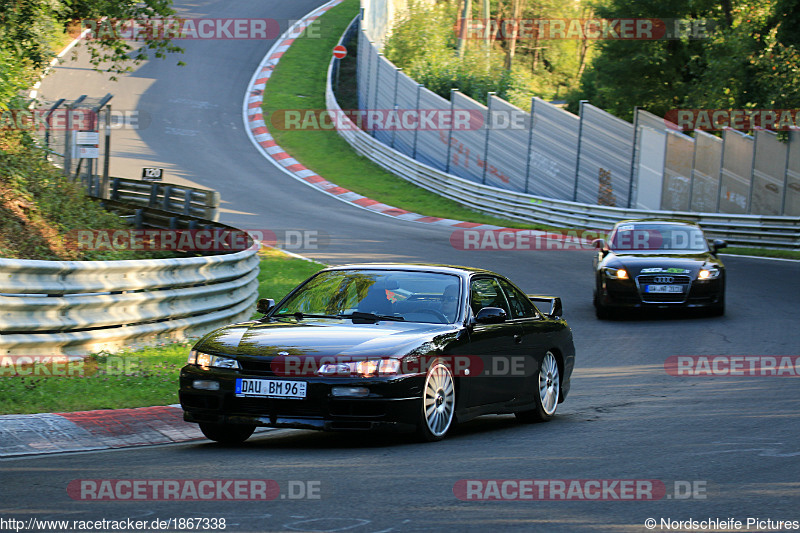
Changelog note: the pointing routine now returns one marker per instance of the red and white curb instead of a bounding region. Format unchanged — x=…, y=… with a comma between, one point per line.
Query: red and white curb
x=93, y=430
x=259, y=134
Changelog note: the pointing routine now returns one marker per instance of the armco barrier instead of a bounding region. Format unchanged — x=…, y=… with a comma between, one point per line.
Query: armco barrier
x=201, y=203
x=76, y=307
x=738, y=230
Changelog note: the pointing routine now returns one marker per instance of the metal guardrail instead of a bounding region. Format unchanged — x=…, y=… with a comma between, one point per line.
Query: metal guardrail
x=738, y=230
x=76, y=307
x=201, y=203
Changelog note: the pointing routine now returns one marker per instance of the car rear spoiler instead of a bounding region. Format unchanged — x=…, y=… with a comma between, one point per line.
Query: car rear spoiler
x=556, y=309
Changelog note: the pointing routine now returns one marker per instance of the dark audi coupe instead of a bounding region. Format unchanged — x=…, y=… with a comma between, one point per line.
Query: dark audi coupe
x=385, y=347
x=654, y=263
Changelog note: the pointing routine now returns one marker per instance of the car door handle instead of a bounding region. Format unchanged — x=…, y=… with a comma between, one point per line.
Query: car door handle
x=517, y=339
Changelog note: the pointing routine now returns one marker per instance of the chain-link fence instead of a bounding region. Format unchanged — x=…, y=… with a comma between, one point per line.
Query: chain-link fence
x=76, y=136
x=592, y=158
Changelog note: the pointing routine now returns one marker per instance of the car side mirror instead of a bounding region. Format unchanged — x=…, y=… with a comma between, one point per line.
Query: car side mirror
x=491, y=315
x=265, y=305
x=600, y=244
x=718, y=245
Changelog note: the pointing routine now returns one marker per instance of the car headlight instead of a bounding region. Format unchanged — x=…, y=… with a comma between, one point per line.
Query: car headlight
x=615, y=273
x=207, y=361
x=364, y=369
x=708, y=273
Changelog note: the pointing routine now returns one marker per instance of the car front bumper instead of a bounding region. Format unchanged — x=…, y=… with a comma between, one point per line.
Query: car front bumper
x=392, y=404
x=625, y=294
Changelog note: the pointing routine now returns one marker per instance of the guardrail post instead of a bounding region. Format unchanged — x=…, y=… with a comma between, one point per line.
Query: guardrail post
x=153, y=200
x=488, y=133
x=792, y=135
x=530, y=144
x=138, y=218
x=394, y=100
x=173, y=222
x=416, y=130
x=719, y=177
x=633, y=155
x=377, y=86
x=691, y=174
x=166, y=202
x=450, y=134
x=115, y=189
x=578, y=157
x=106, y=153
x=187, y=202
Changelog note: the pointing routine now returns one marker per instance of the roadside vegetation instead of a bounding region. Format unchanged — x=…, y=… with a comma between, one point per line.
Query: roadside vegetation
x=39, y=208
x=135, y=377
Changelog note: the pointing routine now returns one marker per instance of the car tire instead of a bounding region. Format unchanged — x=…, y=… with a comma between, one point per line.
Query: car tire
x=438, y=403
x=227, y=433
x=602, y=312
x=718, y=309
x=547, y=393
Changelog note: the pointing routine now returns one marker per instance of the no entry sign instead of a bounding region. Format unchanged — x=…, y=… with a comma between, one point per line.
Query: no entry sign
x=339, y=52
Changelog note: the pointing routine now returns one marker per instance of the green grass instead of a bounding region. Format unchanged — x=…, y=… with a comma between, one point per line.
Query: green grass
x=281, y=273
x=130, y=378
x=763, y=252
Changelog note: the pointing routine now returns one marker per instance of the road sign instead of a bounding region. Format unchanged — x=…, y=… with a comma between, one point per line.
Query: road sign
x=339, y=52
x=152, y=174
x=85, y=145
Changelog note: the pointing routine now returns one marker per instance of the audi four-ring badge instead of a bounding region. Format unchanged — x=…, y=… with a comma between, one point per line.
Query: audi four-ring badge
x=659, y=264
x=383, y=347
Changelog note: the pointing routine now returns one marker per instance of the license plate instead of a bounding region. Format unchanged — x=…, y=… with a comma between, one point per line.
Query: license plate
x=668, y=289
x=270, y=388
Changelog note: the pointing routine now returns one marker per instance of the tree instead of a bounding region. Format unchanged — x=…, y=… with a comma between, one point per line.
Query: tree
x=28, y=29
x=750, y=60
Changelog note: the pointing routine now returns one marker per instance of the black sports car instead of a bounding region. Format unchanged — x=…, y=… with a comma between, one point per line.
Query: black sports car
x=375, y=346
x=655, y=263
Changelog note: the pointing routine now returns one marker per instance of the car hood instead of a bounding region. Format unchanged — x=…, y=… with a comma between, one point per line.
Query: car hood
x=664, y=263
x=323, y=337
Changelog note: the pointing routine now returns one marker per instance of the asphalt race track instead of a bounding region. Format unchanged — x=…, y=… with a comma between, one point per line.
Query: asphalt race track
x=736, y=440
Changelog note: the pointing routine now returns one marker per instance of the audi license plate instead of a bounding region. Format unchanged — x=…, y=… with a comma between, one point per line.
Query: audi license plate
x=270, y=388
x=663, y=289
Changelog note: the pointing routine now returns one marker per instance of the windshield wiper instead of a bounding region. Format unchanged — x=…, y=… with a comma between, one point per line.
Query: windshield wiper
x=300, y=316
x=372, y=316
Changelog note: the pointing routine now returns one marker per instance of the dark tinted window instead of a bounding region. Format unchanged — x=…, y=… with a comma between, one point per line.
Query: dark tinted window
x=521, y=306
x=485, y=292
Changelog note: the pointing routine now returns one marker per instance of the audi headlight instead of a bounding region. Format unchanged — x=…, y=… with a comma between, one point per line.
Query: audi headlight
x=364, y=369
x=708, y=273
x=207, y=361
x=615, y=273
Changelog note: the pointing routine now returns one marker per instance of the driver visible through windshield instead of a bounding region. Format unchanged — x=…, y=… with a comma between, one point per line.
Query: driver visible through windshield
x=376, y=295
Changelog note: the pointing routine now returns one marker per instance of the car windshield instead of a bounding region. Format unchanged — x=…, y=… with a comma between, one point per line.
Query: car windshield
x=377, y=295
x=657, y=238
